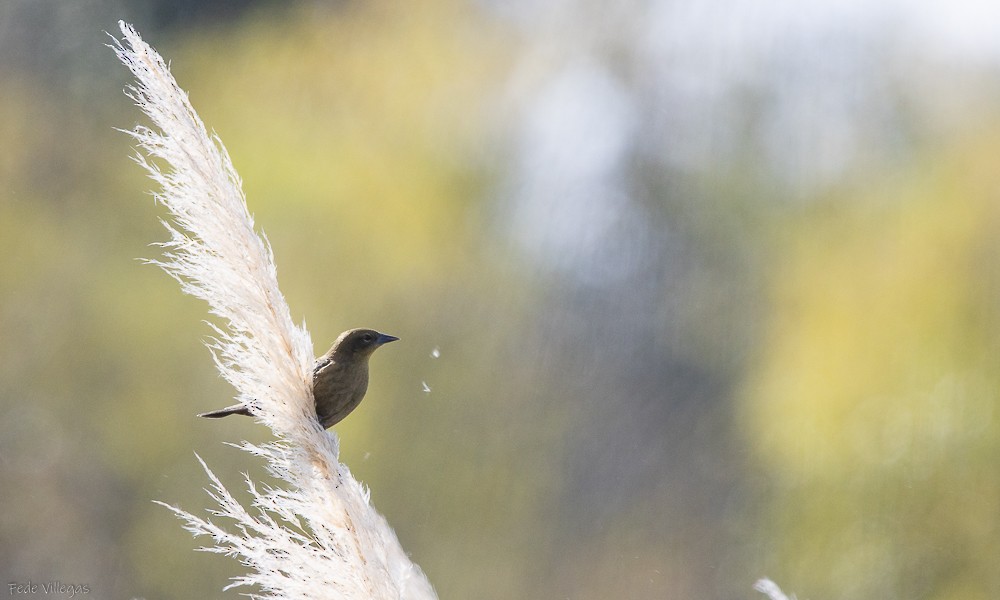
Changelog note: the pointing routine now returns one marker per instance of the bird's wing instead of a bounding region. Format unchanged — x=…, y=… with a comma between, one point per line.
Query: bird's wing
x=321, y=363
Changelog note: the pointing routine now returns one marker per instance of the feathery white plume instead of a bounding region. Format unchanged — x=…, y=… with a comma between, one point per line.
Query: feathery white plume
x=771, y=589
x=320, y=537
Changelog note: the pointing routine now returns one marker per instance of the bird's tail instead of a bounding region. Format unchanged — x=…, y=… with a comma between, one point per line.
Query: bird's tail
x=236, y=409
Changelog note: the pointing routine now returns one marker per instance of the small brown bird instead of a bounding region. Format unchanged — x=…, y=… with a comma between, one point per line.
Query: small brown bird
x=340, y=377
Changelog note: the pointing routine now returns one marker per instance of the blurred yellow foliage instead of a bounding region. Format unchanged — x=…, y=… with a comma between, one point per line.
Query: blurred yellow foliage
x=355, y=117
x=874, y=406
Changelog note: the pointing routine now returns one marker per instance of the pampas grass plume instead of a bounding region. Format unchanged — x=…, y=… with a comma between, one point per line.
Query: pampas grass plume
x=318, y=536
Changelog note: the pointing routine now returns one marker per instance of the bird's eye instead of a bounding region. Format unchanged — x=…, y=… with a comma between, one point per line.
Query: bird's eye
x=367, y=337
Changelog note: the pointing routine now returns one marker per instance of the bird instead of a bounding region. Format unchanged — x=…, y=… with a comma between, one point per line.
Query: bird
x=340, y=377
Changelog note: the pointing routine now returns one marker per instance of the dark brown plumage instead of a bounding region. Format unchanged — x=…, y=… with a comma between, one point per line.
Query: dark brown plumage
x=340, y=377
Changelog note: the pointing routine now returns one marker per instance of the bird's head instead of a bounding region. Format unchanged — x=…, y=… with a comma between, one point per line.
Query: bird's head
x=359, y=343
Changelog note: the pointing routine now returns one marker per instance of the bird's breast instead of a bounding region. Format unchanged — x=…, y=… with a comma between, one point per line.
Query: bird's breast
x=338, y=389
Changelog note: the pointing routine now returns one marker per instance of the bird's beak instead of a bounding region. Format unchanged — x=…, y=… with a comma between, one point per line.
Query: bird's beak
x=385, y=339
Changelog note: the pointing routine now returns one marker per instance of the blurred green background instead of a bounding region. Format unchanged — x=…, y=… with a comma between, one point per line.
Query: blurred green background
x=714, y=285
